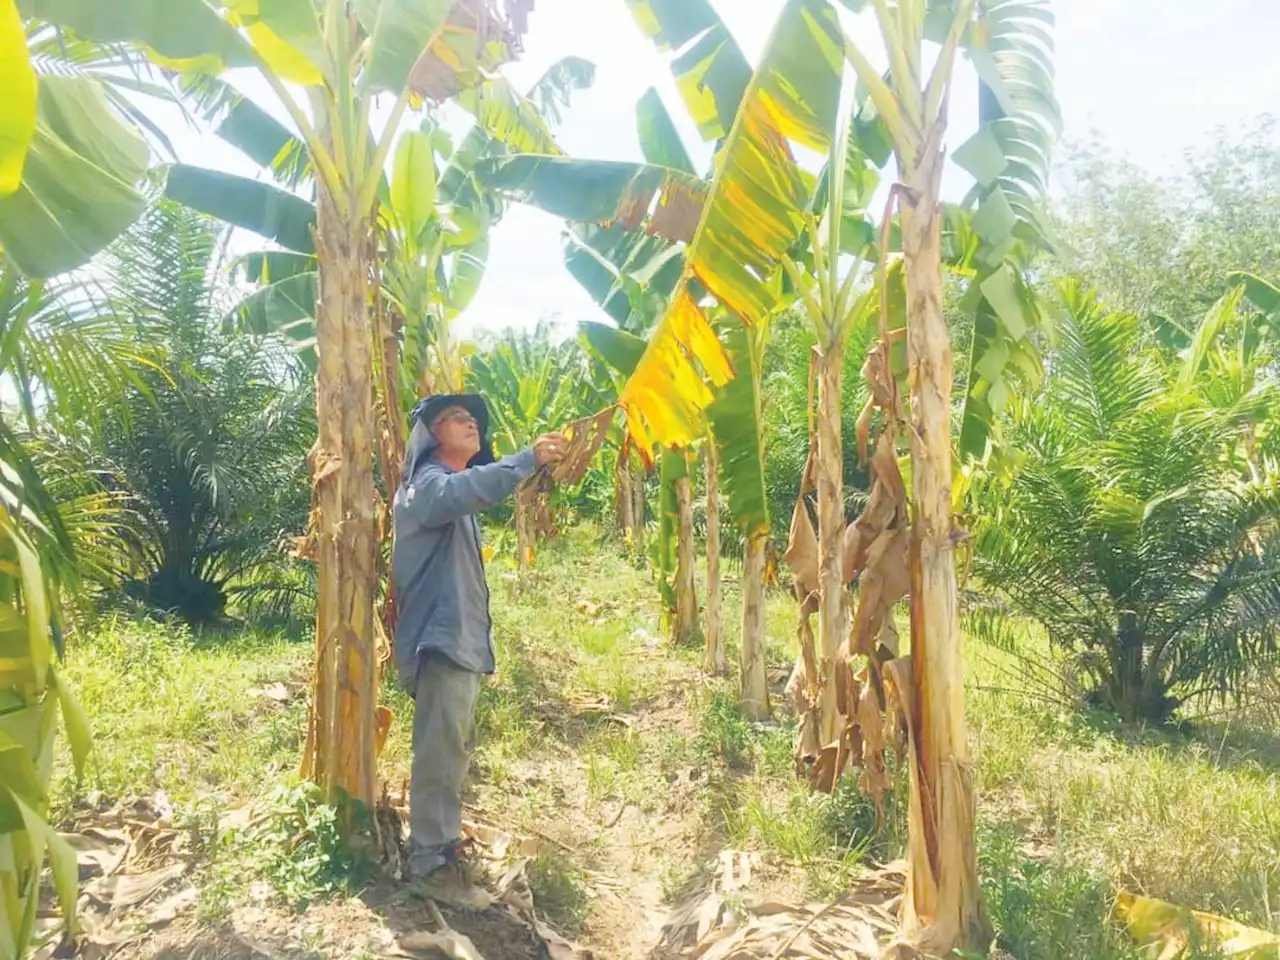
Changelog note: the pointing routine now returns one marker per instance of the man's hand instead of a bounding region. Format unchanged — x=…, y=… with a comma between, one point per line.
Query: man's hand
x=550, y=448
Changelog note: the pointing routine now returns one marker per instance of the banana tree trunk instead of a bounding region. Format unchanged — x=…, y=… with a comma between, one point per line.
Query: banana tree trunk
x=341, y=730
x=625, y=497
x=392, y=447
x=713, y=660
x=831, y=524
x=392, y=428
x=941, y=909
x=640, y=508
x=525, y=507
x=686, y=625
x=755, y=687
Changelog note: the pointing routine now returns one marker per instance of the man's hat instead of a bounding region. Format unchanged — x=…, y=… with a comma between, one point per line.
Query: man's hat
x=429, y=408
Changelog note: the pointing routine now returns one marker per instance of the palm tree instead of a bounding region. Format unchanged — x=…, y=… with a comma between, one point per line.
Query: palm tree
x=209, y=447
x=1136, y=526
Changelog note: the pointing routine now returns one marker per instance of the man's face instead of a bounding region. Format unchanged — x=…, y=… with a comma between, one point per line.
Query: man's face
x=457, y=432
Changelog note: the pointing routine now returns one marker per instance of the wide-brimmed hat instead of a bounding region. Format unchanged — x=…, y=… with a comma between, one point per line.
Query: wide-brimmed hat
x=429, y=408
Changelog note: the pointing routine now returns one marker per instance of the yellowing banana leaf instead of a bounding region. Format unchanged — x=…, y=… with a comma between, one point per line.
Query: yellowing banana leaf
x=286, y=34
x=711, y=74
x=661, y=201
x=1169, y=928
x=754, y=214
x=18, y=115
x=508, y=117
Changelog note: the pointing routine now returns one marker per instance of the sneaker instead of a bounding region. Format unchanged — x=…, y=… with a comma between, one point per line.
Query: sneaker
x=452, y=886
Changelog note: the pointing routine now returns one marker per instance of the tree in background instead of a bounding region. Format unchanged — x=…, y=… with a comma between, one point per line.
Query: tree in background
x=1137, y=520
x=1163, y=247
x=209, y=447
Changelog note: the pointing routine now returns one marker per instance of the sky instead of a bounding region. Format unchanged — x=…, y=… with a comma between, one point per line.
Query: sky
x=1152, y=78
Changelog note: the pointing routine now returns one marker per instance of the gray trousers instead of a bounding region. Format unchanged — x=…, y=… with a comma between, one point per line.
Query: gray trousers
x=443, y=731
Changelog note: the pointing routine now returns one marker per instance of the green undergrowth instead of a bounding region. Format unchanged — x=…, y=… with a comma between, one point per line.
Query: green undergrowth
x=592, y=716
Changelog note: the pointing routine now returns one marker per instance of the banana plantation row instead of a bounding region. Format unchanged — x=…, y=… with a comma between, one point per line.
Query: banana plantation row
x=828, y=343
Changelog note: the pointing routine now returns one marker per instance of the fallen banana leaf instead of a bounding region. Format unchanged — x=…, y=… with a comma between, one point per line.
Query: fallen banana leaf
x=123, y=891
x=1166, y=926
x=448, y=944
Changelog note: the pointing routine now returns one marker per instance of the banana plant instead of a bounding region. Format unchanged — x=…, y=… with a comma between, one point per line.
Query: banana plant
x=31, y=698
x=433, y=229
x=72, y=159
x=532, y=385
x=755, y=212
x=672, y=553
x=713, y=240
x=1009, y=44
x=326, y=62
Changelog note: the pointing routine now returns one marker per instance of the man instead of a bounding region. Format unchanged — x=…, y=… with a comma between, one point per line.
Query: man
x=443, y=635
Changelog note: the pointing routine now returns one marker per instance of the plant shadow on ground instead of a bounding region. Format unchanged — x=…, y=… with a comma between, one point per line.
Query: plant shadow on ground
x=636, y=771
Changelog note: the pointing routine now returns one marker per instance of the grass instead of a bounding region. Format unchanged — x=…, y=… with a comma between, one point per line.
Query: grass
x=1190, y=816
x=596, y=732
x=173, y=711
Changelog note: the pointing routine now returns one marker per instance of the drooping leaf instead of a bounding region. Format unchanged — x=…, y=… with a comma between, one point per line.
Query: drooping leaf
x=712, y=74
x=630, y=275
x=755, y=213
x=736, y=427
x=555, y=88
x=286, y=307
x=1166, y=926
x=659, y=140
x=177, y=30
x=79, y=184
x=617, y=348
x=18, y=81
x=1009, y=158
x=508, y=117
x=662, y=201
x=436, y=48
x=266, y=210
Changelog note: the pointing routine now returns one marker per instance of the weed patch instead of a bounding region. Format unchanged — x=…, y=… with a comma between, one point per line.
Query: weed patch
x=560, y=891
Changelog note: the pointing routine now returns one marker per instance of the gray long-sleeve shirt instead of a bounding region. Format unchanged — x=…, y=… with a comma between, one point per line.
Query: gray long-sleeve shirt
x=441, y=593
